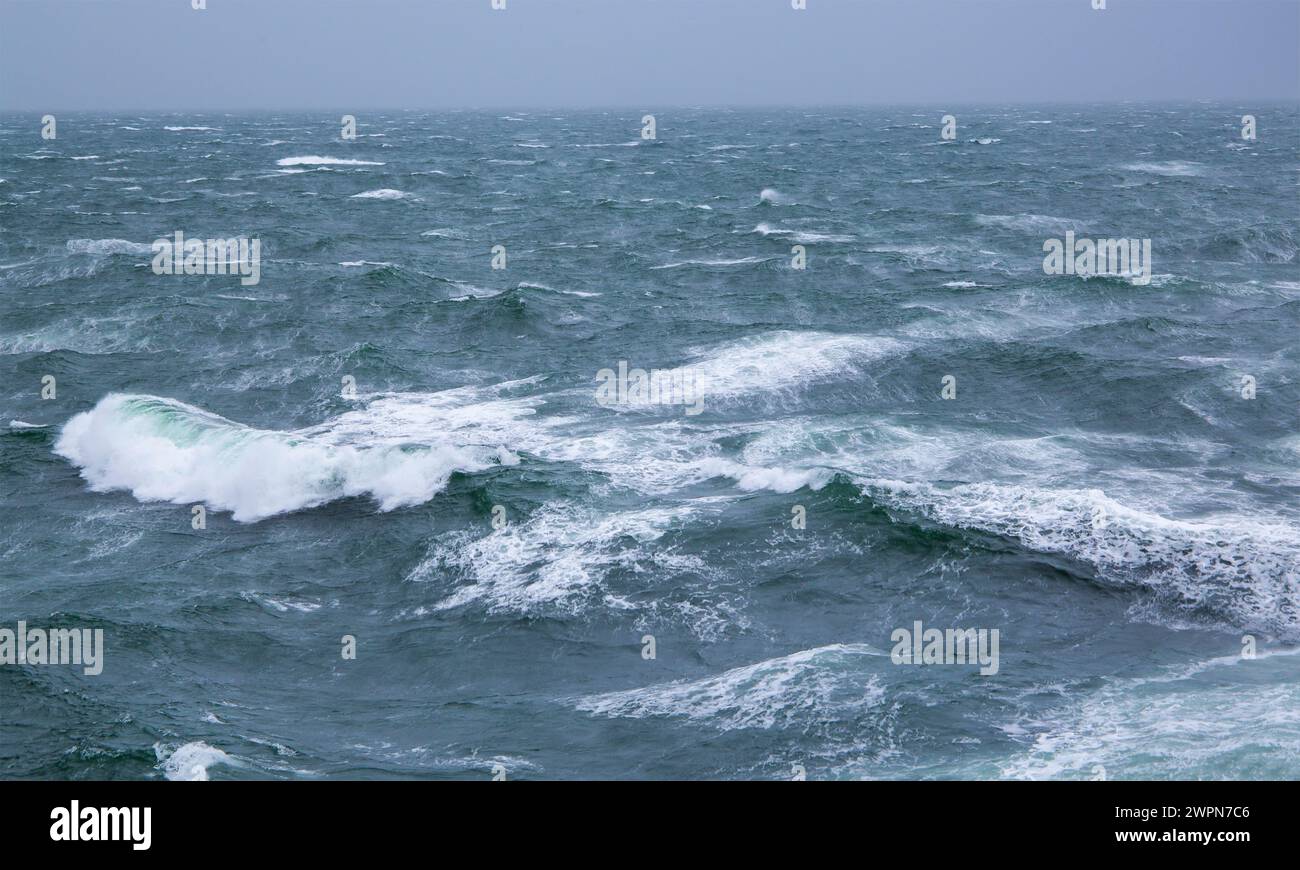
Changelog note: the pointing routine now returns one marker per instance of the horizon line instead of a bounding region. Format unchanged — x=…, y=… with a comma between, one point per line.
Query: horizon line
x=1293, y=100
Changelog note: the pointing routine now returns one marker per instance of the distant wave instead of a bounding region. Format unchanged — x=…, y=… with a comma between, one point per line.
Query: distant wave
x=382, y=193
x=1028, y=222
x=801, y=236
x=105, y=247
x=1168, y=167
x=313, y=160
x=1249, y=244
x=742, y=261
x=530, y=285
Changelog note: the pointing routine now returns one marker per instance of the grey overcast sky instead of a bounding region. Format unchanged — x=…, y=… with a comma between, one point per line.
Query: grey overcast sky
x=315, y=54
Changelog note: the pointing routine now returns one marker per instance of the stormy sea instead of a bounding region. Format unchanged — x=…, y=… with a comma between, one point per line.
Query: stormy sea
x=589, y=445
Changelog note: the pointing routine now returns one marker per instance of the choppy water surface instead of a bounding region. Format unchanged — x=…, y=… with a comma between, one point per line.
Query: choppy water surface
x=1099, y=490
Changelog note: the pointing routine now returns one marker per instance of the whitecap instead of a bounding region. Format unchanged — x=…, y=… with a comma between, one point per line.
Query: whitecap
x=800, y=690
x=1028, y=222
x=189, y=762
x=382, y=193
x=802, y=236
x=1168, y=167
x=783, y=360
x=313, y=160
x=106, y=247
x=742, y=261
x=1243, y=569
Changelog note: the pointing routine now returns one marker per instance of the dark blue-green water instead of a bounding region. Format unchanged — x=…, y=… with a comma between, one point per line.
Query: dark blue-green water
x=1100, y=490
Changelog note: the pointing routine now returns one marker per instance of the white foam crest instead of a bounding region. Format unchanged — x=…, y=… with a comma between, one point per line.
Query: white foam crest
x=471, y=415
x=1168, y=167
x=907, y=250
x=314, y=160
x=164, y=450
x=1028, y=222
x=653, y=459
x=557, y=559
x=869, y=447
x=1173, y=725
x=801, y=236
x=532, y=285
x=752, y=478
x=783, y=360
x=382, y=193
x=189, y=762
x=82, y=334
x=742, y=261
x=1243, y=569
x=105, y=247
x=802, y=690
x=469, y=291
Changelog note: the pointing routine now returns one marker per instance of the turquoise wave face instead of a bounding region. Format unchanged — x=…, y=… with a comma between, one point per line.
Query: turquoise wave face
x=655, y=497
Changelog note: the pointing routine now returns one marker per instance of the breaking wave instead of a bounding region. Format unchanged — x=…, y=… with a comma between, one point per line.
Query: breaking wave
x=1239, y=569
x=164, y=450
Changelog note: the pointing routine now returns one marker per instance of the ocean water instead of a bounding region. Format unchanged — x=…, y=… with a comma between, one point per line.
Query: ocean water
x=507, y=550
